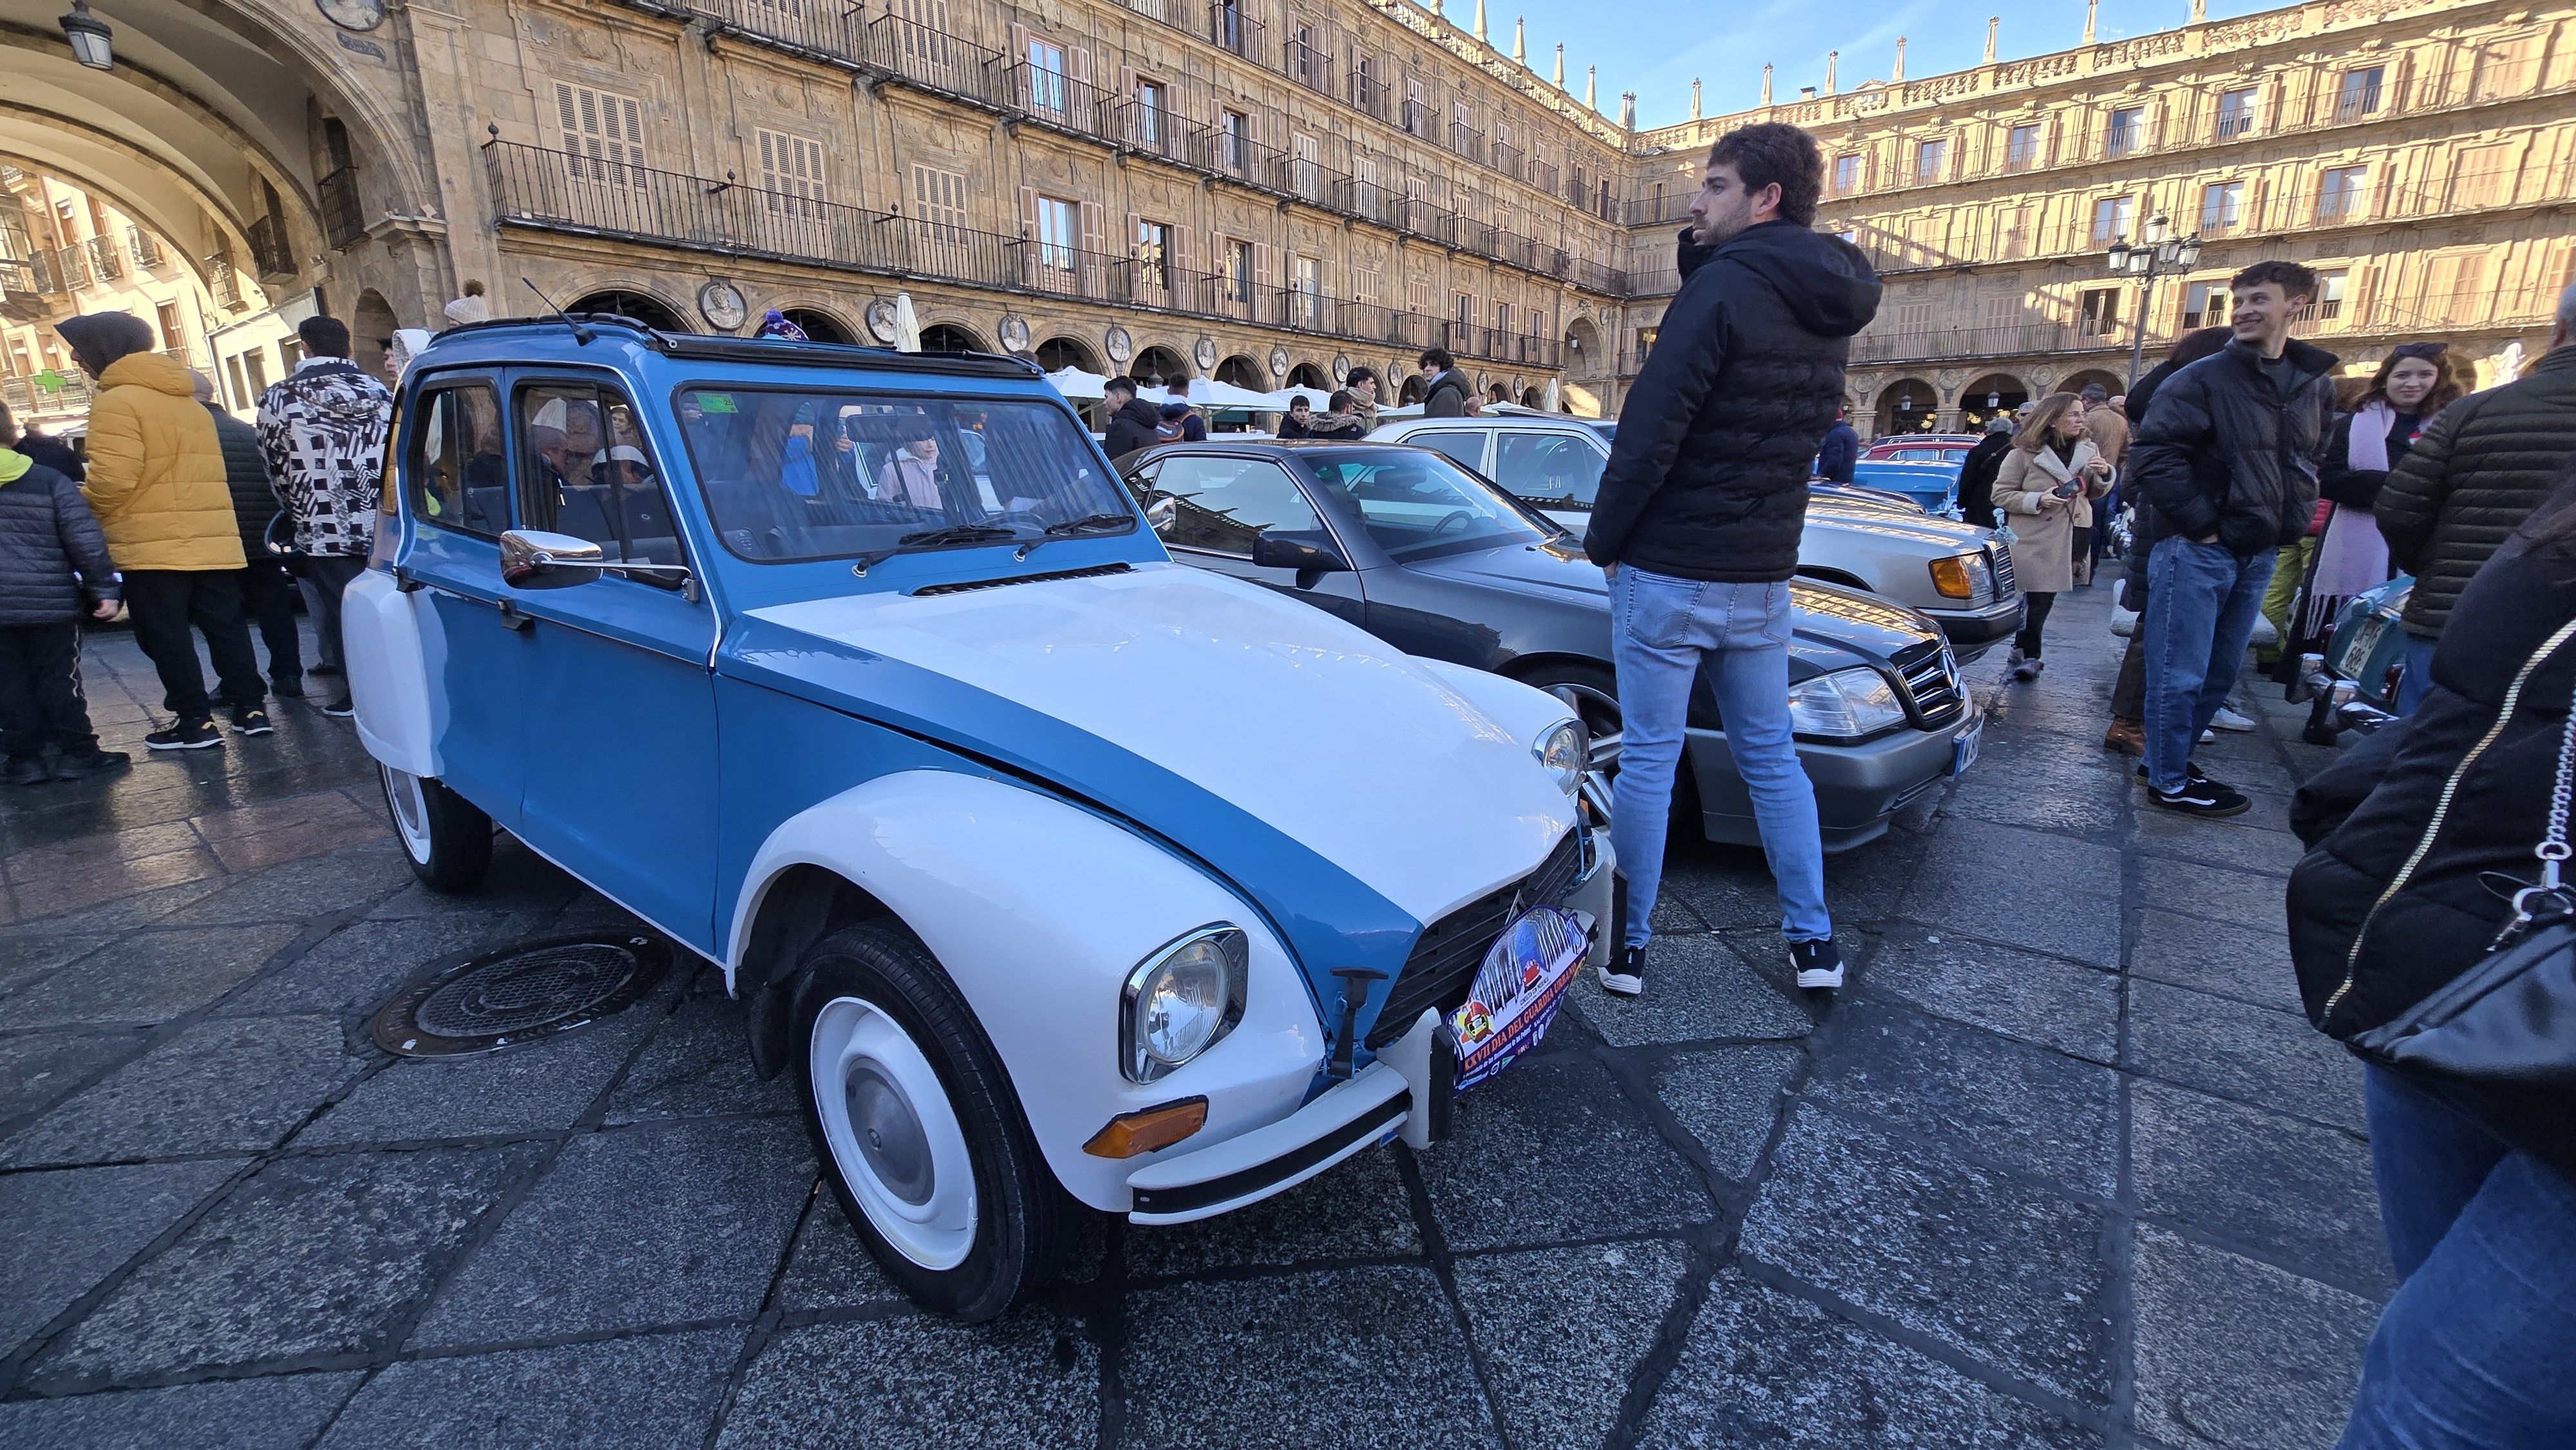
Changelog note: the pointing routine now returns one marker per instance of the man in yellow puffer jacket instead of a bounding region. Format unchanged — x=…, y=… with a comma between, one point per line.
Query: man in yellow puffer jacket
x=156, y=483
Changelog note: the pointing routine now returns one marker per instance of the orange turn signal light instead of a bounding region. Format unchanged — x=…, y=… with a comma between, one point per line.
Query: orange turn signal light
x=1147, y=1129
x=1950, y=577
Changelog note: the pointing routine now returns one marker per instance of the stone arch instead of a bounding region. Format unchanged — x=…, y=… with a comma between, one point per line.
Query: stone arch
x=819, y=325
x=371, y=330
x=951, y=337
x=1067, y=352
x=1158, y=362
x=1531, y=397
x=2075, y=382
x=1585, y=356
x=644, y=307
x=1908, y=405
x=1311, y=375
x=2006, y=391
x=1243, y=372
x=1411, y=392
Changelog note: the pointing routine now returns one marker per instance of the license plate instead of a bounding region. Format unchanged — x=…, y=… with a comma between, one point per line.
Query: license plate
x=2354, y=660
x=1963, y=750
x=1517, y=991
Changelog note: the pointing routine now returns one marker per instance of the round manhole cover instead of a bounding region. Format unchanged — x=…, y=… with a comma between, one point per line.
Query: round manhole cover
x=488, y=1001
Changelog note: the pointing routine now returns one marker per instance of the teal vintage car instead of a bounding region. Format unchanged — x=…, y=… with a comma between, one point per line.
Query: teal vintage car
x=2353, y=685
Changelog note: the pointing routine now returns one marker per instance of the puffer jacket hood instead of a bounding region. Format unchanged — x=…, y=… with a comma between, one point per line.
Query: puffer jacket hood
x=13, y=466
x=99, y=339
x=156, y=470
x=1131, y=428
x=1825, y=281
x=50, y=549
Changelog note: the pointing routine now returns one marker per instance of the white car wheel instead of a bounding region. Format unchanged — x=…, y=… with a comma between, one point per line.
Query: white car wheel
x=446, y=839
x=410, y=811
x=892, y=1132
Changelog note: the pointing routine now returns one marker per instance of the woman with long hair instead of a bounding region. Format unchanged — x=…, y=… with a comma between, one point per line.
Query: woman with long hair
x=2416, y=381
x=2045, y=484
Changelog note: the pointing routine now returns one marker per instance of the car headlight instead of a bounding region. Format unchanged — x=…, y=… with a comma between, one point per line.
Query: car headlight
x=1565, y=753
x=1844, y=705
x=1963, y=576
x=1182, y=1000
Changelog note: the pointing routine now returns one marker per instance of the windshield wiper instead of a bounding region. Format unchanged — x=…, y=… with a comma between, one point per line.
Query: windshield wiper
x=953, y=534
x=1087, y=524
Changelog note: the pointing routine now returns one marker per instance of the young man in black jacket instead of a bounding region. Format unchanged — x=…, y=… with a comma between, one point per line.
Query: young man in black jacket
x=267, y=589
x=2227, y=457
x=1131, y=419
x=1701, y=508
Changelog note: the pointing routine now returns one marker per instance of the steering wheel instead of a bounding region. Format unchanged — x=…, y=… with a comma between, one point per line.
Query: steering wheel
x=1460, y=517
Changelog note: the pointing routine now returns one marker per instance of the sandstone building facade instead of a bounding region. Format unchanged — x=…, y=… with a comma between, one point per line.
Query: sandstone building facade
x=2419, y=154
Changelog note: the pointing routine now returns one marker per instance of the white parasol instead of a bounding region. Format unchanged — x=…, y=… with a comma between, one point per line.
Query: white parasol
x=907, y=324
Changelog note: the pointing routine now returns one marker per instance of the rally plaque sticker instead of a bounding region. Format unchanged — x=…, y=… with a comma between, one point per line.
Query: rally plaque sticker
x=1517, y=991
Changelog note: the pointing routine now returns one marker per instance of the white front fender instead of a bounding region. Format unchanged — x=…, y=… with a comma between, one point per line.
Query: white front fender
x=1038, y=912
x=380, y=647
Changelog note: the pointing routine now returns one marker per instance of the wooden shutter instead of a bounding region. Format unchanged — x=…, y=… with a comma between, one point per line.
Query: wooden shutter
x=1088, y=265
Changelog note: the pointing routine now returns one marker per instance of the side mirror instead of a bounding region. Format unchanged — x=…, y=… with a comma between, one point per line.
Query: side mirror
x=1274, y=551
x=1161, y=514
x=531, y=559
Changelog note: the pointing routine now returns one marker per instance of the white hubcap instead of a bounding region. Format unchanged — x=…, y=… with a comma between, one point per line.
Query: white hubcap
x=893, y=1135
x=411, y=810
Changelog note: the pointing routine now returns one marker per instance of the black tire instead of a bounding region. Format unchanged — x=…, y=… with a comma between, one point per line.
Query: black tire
x=447, y=839
x=1022, y=1217
x=1588, y=688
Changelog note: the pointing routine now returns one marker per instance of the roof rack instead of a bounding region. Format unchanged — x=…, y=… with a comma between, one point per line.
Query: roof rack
x=772, y=350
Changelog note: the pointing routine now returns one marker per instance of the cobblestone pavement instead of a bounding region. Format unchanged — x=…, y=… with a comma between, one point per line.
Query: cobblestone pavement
x=2061, y=1167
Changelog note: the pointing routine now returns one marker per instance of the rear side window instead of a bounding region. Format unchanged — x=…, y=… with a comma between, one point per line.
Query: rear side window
x=1552, y=470
x=459, y=479
x=1464, y=447
x=585, y=471
x=1222, y=504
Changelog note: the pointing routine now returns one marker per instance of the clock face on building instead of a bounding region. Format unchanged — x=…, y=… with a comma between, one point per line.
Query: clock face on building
x=352, y=14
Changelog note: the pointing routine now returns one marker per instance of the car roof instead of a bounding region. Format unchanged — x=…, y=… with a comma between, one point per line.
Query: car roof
x=578, y=330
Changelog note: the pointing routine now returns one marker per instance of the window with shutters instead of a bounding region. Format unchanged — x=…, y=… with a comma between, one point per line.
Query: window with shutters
x=2455, y=288
x=2339, y=192
x=2205, y=304
x=1417, y=295
x=2098, y=312
x=1306, y=290
x=1230, y=129
x=2483, y=176
x=2326, y=307
x=1150, y=104
x=791, y=171
x=1502, y=317
x=1466, y=308
x=2222, y=207
x=1417, y=115
x=939, y=204
x=2111, y=218
x=2021, y=147
x=2012, y=232
x=1846, y=175
x=2236, y=112
x=1310, y=167
x=1058, y=228
x=2357, y=95
x=1153, y=255
x=2127, y=132
x=603, y=134
x=1047, y=88
x=1238, y=270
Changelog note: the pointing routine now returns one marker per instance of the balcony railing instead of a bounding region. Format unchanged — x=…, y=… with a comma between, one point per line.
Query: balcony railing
x=344, y=213
x=555, y=191
x=2411, y=316
x=1051, y=95
x=1507, y=159
x=140, y=245
x=25, y=397
x=1467, y=141
x=106, y=259
x=1368, y=92
x=71, y=266
x=1229, y=28
x=268, y=249
x=1309, y=66
x=225, y=283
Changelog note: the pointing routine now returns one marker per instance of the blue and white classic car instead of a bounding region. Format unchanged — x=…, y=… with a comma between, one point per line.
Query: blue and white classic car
x=1058, y=873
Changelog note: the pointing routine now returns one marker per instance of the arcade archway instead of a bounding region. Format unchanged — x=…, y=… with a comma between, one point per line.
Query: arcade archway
x=1993, y=396
x=1908, y=405
x=644, y=307
x=819, y=326
x=949, y=337
x=1057, y=353
x=1243, y=372
x=1308, y=375
x=1157, y=363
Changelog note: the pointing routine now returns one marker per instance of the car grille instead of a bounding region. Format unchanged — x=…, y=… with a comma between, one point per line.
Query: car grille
x=1931, y=683
x=1445, y=959
x=2002, y=556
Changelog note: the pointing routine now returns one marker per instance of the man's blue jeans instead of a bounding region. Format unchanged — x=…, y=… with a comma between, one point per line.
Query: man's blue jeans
x=1665, y=631
x=2473, y=1351
x=2201, y=604
x=2419, y=673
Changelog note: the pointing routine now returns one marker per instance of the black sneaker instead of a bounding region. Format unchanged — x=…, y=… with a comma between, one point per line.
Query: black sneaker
x=26, y=770
x=97, y=762
x=252, y=720
x=1818, y=964
x=1625, y=974
x=2197, y=775
x=341, y=709
x=2202, y=798
x=186, y=735
x=287, y=687
x=323, y=670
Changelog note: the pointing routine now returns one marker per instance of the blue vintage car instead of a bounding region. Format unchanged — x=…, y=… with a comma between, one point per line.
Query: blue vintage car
x=2353, y=683
x=1059, y=874
x=1934, y=487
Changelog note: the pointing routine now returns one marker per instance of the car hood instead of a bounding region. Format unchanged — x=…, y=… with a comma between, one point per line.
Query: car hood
x=1336, y=780
x=1887, y=530
x=1833, y=627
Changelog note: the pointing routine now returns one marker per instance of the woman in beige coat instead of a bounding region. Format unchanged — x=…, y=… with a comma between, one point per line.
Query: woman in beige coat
x=2047, y=484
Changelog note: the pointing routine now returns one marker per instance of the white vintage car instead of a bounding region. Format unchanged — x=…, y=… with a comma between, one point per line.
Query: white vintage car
x=1059, y=874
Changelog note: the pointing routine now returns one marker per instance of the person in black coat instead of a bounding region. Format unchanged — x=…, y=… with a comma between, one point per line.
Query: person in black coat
x=267, y=589
x=1299, y=420
x=1977, y=474
x=2420, y=837
x=1839, y=454
x=1446, y=392
x=54, y=569
x=2127, y=734
x=1131, y=419
x=53, y=453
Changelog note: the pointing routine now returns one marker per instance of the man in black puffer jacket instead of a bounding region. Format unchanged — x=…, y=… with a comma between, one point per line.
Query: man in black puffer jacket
x=1131, y=419
x=1700, y=511
x=2227, y=458
x=54, y=568
x=267, y=590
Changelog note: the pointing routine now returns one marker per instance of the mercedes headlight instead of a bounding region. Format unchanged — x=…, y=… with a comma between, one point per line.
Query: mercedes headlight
x=1964, y=576
x=1182, y=1000
x=1844, y=705
x=1565, y=753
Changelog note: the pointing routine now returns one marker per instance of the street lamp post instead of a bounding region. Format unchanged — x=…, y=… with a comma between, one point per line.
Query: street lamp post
x=2158, y=253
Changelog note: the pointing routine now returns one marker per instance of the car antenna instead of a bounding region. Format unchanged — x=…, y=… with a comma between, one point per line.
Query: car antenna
x=580, y=333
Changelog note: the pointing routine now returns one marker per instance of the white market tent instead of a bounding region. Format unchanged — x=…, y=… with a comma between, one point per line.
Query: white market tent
x=1078, y=385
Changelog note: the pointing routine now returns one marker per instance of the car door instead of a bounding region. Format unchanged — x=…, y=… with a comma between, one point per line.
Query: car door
x=1210, y=507
x=1554, y=470
x=1466, y=447
x=474, y=644
x=620, y=731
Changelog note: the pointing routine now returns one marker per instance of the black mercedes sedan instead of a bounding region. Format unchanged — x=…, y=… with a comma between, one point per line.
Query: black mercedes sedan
x=1434, y=560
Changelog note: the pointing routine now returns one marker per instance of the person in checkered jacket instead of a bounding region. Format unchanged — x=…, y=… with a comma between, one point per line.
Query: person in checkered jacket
x=323, y=427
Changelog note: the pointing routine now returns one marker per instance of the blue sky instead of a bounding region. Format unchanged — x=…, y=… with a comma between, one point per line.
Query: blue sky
x=1655, y=47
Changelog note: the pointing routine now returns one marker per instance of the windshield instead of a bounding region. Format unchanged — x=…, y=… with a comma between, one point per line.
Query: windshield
x=1419, y=505
x=1608, y=428
x=830, y=475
